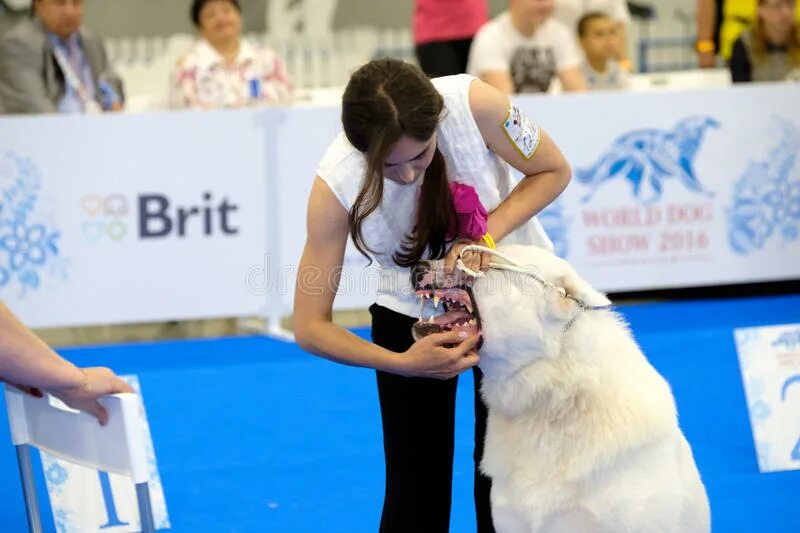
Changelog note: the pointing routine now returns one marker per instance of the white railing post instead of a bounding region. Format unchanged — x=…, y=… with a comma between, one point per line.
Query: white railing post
x=271, y=121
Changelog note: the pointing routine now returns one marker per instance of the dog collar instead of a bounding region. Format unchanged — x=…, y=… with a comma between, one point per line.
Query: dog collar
x=583, y=307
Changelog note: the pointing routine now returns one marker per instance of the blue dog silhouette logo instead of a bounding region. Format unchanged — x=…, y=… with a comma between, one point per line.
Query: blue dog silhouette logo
x=647, y=157
x=27, y=245
x=788, y=339
x=766, y=199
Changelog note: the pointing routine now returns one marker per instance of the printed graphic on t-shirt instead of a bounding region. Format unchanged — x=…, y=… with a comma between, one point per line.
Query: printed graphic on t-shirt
x=532, y=69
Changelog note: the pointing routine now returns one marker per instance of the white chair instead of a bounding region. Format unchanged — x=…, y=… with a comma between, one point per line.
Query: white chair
x=77, y=437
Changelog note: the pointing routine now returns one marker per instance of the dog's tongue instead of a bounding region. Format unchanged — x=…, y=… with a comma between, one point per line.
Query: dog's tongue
x=452, y=316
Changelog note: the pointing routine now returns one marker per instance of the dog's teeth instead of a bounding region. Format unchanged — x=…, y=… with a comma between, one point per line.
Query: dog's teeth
x=430, y=320
x=436, y=301
x=468, y=306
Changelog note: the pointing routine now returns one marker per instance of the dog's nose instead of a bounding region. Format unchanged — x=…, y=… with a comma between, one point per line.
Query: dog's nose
x=418, y=271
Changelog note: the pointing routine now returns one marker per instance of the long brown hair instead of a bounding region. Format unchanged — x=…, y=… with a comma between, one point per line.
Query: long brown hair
x=384, y=100
x=760, y=41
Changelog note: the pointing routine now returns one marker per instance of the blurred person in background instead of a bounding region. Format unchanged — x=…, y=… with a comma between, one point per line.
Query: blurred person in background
x=30, y=365
x=523, y=49
x=443, y=32
x=720, y=23
x=50, y=64
x=598, y=37
x=570, y=12
x=770, y=50
x=224, y=70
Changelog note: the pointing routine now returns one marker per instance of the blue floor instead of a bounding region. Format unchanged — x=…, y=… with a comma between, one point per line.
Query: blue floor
x=253, y=434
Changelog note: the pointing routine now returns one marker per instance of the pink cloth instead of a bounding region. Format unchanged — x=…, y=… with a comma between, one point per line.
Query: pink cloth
x=448, y=20
x=470, y=213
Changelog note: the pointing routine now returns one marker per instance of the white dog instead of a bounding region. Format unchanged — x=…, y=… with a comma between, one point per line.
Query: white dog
x=582, y=433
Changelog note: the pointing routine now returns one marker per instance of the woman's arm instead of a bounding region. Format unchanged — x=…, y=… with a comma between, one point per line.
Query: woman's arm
x=27, y=362
x=317, y=283
x=546, y=171
x=706, y=20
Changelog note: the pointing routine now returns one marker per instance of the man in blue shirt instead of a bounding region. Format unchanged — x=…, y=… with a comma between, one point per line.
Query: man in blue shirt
x=49, y=64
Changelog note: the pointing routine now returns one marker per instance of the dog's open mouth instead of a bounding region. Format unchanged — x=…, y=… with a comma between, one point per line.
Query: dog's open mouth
x=446, y=303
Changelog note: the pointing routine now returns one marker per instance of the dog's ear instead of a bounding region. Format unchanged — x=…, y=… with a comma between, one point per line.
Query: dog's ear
x=579, y=288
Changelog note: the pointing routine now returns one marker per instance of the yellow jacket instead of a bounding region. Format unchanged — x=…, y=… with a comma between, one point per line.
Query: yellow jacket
x=739, y=15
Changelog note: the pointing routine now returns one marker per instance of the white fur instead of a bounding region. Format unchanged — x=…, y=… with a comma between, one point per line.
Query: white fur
x=582, y=434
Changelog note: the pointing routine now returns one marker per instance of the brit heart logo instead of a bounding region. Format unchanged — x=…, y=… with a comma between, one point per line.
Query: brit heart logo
x=104, y=217
x=92, y=205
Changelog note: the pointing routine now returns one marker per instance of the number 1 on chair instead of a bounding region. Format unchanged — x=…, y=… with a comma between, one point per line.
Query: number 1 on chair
x=108, y=499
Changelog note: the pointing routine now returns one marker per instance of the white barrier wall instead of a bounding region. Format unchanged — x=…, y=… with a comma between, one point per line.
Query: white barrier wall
x=187, y=215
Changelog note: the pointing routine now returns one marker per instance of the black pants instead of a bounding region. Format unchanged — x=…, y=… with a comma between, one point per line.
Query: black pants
x=418, y=416
x=443, y=58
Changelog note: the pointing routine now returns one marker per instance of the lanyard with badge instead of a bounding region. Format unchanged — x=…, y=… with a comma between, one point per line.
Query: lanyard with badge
x=74, y=81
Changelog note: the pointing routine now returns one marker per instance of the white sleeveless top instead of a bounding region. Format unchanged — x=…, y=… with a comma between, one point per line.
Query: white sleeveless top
x=469, y=161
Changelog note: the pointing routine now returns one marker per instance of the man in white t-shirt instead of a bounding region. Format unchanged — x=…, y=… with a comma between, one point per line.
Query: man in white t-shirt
x=569, y=13
x=523, y=49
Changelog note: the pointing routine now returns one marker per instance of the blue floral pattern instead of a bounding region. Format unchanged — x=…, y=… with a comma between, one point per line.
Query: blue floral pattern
x=56, y=476
x=766, y=199
x=63, y=520
x=26, y=245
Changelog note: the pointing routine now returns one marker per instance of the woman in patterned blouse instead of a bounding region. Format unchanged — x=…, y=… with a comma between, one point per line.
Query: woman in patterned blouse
x=224, y=70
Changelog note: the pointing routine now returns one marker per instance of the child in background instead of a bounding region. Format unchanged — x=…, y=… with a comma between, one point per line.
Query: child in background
x=598, y=36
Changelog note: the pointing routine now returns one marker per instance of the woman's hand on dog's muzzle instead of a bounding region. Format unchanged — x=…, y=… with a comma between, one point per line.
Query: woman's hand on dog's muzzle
x=439, y=356
x=475, y=261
